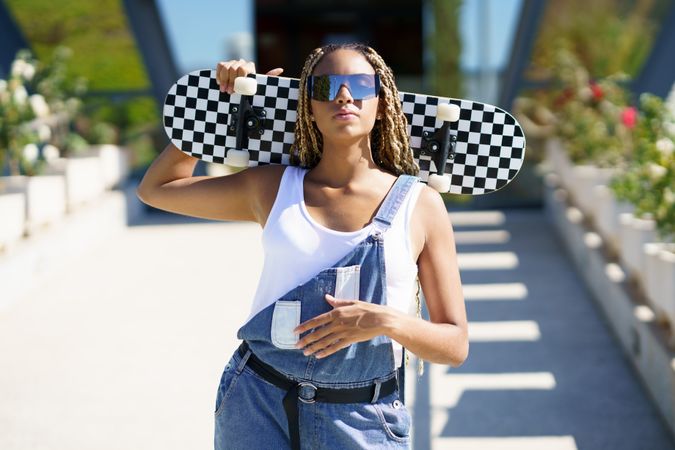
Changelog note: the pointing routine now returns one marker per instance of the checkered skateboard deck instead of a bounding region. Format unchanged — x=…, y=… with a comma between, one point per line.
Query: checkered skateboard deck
x=198, y=118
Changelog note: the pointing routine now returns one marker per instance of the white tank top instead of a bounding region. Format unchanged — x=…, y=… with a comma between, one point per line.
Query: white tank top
x=296, y=248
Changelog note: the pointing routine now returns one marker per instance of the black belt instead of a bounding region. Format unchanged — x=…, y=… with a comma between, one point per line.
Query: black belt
x=320, y=394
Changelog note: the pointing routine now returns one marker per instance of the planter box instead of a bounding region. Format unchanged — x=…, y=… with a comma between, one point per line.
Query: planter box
x=115, y=162
x=559, y=162
x=654, y=278
x=645, y=343
x=45, y=198
x=584, y=179
x=666, y=259
x=84, y=179
x=634, y=234
x=12, y=218
x=606, y=217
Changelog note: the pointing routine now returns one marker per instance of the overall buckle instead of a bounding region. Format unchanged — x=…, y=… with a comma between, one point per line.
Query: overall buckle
x=312, y=398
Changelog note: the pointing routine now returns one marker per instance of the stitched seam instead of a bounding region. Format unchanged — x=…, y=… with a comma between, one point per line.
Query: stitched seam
x=386, y=427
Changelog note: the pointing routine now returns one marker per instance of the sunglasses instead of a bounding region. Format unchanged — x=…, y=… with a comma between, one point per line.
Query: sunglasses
x=361, y=86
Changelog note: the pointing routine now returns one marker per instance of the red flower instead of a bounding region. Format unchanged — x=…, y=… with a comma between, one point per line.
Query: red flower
x=563, y=97
x=597, y=91
x=629, y=116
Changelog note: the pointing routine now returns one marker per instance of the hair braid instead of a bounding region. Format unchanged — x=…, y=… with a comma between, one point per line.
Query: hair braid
x=389, y=138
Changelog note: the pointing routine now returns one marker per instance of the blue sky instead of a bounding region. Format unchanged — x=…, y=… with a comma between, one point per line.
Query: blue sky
x=200, y=29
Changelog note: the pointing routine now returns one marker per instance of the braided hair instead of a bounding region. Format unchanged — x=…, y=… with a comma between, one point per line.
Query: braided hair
x=390, y=144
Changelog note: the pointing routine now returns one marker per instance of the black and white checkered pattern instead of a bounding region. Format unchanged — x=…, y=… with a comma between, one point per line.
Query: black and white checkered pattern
x=490, y=143
x=196, y=118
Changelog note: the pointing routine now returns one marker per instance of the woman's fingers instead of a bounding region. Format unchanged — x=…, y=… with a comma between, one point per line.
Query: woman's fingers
x=329, y=341
x=275, y=72
x=314, y=323
x=223, y=74
x=314, y=337
x=227, y=71
x=335, y=346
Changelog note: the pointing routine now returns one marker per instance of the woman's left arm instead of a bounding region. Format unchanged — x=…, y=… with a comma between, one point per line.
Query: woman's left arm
x=442, y=340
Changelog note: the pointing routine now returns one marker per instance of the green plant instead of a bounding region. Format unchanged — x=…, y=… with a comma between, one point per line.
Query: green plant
x=593, y=117
x=15, y=112
x=647, y=179
x=103, y=51
x=607, y=36
x=446, y=45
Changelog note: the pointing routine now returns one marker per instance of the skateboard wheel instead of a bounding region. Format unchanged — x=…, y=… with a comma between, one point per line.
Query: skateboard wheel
x=237, y=158
x=448, y=112
x=245, y=86
x=439, y=182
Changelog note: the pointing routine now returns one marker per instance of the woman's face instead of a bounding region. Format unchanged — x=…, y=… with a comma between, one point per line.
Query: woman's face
x=343, y=117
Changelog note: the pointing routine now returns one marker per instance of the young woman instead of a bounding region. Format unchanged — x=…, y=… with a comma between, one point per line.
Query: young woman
x=346, y=231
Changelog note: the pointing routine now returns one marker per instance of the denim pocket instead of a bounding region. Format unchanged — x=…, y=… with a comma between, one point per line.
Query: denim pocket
x=395, y=419
x=227, y=382
x=347, y=282
x=285, y=318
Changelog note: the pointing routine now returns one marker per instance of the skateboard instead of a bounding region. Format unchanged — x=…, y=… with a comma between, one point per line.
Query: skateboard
x=461, y=146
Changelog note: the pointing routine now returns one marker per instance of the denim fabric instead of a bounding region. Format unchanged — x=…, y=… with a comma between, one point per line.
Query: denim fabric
x=249, y=412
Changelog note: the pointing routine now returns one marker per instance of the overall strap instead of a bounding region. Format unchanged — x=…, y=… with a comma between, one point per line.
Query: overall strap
x=392, y=202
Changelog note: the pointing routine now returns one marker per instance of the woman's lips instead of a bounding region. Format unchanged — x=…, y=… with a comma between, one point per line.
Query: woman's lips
x=345, y=115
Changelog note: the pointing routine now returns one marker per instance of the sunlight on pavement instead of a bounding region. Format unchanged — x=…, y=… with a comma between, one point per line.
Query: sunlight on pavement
x=482, y=237
x=507, y=443
x=480, y=218
x=505, y=330
x=495, y=291
x=456, y=384
x=487, y=261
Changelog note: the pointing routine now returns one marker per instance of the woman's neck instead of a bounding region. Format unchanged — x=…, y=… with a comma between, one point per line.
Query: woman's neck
x=344, y=162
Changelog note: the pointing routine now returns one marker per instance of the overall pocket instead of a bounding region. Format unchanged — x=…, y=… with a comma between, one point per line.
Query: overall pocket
x=347, y=282
x=395, y=419
x=227, y=382
x=285, y=318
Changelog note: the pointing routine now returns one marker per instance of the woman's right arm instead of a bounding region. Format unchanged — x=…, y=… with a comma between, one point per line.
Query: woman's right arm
x=168, y=184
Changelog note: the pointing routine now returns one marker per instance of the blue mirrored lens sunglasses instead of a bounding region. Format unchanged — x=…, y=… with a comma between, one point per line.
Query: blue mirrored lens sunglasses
x=361, y=86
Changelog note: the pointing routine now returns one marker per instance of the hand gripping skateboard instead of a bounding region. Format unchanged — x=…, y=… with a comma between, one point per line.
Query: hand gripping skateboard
x=461, y=146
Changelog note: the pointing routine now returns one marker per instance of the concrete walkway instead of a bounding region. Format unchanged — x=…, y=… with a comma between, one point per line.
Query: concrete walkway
x=123, y=348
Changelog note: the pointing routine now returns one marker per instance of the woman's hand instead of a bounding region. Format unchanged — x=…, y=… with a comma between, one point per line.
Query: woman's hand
x=350, y=321
x=227, y=71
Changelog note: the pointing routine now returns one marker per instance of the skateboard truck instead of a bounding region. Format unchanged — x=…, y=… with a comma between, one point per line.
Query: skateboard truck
x=247, y=121
x=440, y=145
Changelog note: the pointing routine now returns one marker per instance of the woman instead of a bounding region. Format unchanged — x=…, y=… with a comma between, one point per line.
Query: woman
x=346, y=231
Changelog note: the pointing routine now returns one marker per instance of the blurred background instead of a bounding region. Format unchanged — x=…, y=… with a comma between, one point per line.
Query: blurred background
x=116, y=319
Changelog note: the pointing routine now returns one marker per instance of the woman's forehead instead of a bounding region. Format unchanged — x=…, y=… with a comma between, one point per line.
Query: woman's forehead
x=343, y=62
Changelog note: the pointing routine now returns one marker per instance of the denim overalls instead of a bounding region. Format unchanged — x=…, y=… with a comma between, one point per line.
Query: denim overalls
x=249, y=412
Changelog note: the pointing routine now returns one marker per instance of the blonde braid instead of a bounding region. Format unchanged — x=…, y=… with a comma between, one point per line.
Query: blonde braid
x=389, y=137
x=308, y=145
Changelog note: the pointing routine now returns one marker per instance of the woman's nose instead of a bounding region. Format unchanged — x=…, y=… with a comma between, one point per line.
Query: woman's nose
x=343, y=95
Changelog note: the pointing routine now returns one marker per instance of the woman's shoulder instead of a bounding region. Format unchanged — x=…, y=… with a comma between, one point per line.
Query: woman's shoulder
x=430, y=205
x=270, y=173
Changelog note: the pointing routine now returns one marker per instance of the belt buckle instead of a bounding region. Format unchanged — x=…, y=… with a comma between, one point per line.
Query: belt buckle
x=307, y=384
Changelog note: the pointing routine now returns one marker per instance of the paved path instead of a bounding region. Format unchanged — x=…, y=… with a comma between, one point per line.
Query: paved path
x=543, y=371
x=124, y=347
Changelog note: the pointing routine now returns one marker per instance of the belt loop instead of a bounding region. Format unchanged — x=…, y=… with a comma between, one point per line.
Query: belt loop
x=376, y=393
x=244, y=360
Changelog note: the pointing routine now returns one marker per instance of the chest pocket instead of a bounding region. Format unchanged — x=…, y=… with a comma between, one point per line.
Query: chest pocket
x=285, y=318
x=347, y=282
x=287, y=313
